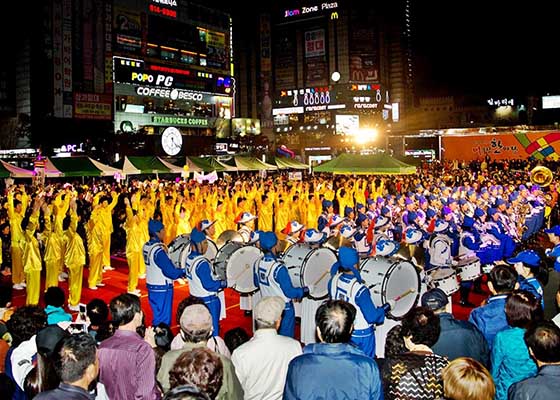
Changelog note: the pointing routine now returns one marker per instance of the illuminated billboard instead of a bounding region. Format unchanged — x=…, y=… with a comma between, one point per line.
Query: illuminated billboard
x=549, y=102
x=245, y=126
x=347, y=124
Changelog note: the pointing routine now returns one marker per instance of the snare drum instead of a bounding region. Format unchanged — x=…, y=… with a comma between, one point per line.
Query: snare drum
x=468, y=269
x=388, y=278
x=445, y=279
x=310, y=267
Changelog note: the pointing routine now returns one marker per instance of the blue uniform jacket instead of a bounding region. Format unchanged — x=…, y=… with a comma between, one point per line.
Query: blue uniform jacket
x=204, y=271
x=340, y=371
x=490, y=318
x=166, y=265
x=282, y=276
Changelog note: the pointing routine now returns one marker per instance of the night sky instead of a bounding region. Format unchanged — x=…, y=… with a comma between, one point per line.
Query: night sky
x=490, y=47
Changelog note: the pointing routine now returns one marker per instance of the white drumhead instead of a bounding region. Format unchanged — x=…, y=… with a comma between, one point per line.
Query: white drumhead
x=315, y=272
x=294, y=258
x=179, y=249
x=389, y=278
x=220, y=261
x=240, y=268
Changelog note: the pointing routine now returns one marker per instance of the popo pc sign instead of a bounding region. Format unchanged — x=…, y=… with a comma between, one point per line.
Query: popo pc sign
x=158, y=80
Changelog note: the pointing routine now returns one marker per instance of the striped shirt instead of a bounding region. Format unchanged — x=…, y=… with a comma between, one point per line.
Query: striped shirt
x=127, y=367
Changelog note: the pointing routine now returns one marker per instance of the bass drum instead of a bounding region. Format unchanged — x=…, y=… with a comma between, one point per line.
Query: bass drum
x=240, y=269
x=180, y=248
x=222, y=257
x=310, y=267
x=388, y=278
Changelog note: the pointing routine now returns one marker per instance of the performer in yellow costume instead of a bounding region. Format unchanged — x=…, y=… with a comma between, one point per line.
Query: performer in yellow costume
x=105, y=218
x=31, y=254
x=16, y=212
x=134, y=245
x=54, y=235
x=282, y=215
x=75, y=256
x=95, y=236
x=182, y=216
x=265, y=210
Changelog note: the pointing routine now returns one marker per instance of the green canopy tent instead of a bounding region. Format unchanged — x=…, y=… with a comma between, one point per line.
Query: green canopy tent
x=289, y=163
x=373, y=164
x=79, y=166
x=204, y=164
x=11, y=171
x=252, y=164
x=148, y=165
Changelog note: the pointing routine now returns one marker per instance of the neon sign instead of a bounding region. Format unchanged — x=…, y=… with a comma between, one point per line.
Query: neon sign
x=296, y=12
x=164, y=11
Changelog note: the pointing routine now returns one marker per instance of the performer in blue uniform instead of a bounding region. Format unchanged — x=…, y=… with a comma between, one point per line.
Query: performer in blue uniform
x=344, y=285
x=160, y=274
x=272, y=278
x=324, y=219
x=202, y=282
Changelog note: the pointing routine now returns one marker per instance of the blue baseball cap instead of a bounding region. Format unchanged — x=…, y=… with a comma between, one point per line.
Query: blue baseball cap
x=555, y=230
x=468, y=222
x=327, y=204
x=154, y=226
x=434, y=299
x=499, y=202
x=408, y=201
x=462, y=202
x=385, y=210
x=528, y=257
x=478, y=212
x=347, y=211
x=430, y=213
x=491, y=211
x=361, y=218
x=348, y=256
x=446, y=210
x=197, y=236
x=371, y=201
x=359, y=206
x=268, y=240
x=412, y=216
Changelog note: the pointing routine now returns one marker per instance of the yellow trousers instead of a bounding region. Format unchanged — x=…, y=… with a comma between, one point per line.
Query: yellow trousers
x=142, y=266
x=95, y=269
x=75, y=276
x=135, y=260
x=107, y=251
x=33, y=279
x=53, y=268
x=18, y=275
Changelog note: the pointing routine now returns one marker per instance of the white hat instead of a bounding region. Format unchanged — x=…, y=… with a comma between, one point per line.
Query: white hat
x=313, y=236
x=292, y=227
x=381, y=221
x=205, y=224
x=347, y=231
x=244, y=217
x=441, y=226
x=336, y=220
x=386, y=248
x=413, y=236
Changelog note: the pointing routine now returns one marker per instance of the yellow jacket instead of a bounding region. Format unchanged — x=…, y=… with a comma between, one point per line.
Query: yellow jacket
x=31, y=253
x=15, y=218
x=75, y=251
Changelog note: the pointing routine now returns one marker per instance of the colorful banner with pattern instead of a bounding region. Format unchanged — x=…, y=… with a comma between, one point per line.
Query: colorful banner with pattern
x=537, y=145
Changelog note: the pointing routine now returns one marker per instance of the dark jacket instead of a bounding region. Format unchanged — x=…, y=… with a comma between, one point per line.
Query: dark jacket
x=339, y=371
x=544, y=386
x=65, y=392
x=490, y=318
x=461, y=339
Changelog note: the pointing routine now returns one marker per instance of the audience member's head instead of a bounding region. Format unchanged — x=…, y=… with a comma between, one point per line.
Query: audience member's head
x=43, y=376
x=77, y=362
x=523, y=309
x=126, y=311
x=435, y=300
x=7, y=386
x=467, y=379
x=163, y=336
x=196, y=323
x=502, y=279
x=187, y=301
x=235, y=337
x=26, y=322
x=543, y=342
x=421, y=326
x=54, y=296
x=97, y=312
x=394, y=344
x=185, y=392
x=201, y=368
x=334, y=320
x=268, y=312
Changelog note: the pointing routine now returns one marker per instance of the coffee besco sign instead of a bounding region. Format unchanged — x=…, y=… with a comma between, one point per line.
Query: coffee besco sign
x=173, y=94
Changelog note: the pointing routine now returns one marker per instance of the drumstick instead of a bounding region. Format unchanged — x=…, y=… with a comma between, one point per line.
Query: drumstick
x=321, y=278
x=409, y=291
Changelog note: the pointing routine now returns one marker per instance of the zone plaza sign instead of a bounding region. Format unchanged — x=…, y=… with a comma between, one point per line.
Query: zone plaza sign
x=306, y=10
